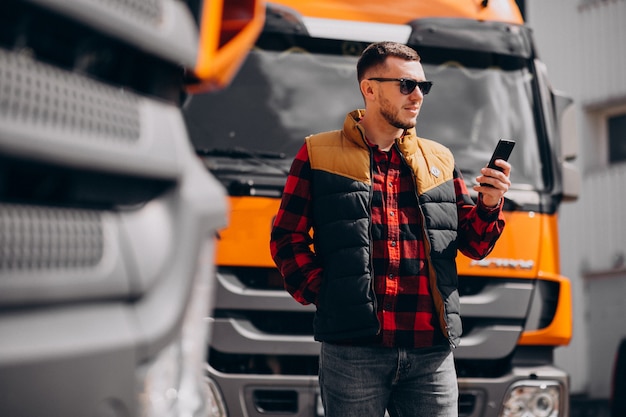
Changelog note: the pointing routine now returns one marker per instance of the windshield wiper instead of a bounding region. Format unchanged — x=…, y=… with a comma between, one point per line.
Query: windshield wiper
x=239, y=152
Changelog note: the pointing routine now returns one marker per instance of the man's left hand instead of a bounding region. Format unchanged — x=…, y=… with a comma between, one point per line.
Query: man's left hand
x=499, y=181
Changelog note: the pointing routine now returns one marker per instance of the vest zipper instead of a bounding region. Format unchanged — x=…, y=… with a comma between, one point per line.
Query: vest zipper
x=369, y=233
x=442, y=314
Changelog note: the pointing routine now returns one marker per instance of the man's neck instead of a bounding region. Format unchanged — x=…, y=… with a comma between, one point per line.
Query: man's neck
x=380, y=133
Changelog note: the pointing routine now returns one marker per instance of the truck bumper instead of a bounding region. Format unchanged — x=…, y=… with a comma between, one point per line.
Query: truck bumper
x=247, y=395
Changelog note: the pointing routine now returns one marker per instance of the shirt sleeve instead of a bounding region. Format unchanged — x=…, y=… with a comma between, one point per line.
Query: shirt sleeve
x=479, y=226
x=290, y=241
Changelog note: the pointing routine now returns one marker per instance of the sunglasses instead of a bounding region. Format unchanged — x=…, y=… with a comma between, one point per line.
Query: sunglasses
x=407, y=85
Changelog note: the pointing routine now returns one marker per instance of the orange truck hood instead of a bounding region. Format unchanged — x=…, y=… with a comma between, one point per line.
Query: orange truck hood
x=245, y=242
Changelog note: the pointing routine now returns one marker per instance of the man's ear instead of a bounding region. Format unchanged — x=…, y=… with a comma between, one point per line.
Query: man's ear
x=367, y=89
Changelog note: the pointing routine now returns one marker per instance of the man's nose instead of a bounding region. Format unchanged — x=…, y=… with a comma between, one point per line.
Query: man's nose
x=417, y=93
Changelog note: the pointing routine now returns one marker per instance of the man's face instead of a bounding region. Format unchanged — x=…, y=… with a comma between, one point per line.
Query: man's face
x=398, y=109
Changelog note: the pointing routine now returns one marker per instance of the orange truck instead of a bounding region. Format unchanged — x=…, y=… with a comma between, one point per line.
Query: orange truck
x=489, y=83
x=107, y=217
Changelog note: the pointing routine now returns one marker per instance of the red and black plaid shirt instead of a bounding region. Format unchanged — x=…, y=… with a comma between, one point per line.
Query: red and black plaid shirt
x=405, y=304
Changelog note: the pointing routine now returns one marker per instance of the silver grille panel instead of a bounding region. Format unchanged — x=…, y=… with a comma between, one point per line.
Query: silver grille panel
x=494, y=312
x=43, y=96
x=38, y=238
x=149, y=11
x=52, y=115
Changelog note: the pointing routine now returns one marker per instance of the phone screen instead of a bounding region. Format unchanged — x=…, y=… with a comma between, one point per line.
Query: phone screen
x=502, y=151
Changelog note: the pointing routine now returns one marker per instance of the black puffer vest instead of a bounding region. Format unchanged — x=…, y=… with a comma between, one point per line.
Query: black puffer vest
x=342, y=190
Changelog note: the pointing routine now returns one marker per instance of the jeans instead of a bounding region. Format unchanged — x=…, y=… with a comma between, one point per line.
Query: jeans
x=364, y=381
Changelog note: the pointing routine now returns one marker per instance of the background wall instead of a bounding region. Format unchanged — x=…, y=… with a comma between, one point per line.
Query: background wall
x=583, y=44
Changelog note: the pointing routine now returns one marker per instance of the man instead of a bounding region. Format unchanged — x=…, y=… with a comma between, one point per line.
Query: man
x=388, y=211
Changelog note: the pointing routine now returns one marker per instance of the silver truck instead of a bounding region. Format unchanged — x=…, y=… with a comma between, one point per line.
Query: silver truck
x=108, y=219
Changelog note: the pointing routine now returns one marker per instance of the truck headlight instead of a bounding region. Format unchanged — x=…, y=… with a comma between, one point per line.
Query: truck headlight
x=173, y=384
x=533, y=399
x=215, y=402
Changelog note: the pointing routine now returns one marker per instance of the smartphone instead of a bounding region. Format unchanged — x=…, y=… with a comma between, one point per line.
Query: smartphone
x=502, y=151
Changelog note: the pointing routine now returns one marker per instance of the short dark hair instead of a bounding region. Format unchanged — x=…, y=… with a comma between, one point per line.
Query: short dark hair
x=376, y=53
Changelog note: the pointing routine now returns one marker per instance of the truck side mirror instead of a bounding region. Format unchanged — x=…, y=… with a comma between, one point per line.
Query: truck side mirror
x=568, y=136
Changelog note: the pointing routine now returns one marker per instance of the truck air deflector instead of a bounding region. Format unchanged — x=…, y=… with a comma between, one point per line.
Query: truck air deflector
x=284, y=20
x=472, y=35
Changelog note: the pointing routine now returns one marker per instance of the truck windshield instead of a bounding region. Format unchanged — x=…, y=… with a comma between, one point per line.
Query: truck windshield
x=279, y=98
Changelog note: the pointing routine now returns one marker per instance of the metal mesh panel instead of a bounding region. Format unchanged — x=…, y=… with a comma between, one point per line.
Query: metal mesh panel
x=42, y=96
x=35, y=238
x=147, y=10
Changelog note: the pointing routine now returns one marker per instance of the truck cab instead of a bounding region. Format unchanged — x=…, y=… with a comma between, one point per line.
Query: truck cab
x=488, y=84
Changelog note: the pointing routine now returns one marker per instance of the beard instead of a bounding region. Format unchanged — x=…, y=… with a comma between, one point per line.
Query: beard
x=390, y=114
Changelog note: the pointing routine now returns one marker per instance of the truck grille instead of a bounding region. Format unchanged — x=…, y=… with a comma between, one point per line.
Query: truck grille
x=43, y=96
x=259, y=329
x=150, y=11
x=467, y=404
x=36, y=238
x=229, y=363
x=275, y=401
x=141, y=52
